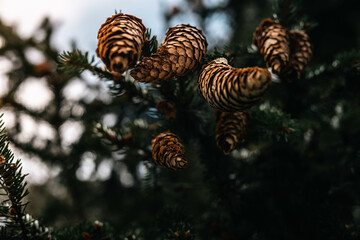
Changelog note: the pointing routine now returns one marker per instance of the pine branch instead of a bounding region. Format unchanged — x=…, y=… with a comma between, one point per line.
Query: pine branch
x=339, y=76
x=289, y=14
x=150, y=46
x=12, y=183
x=174, y=225
x=76, y=62
x=216, y=54
x=347, y=61
x=241, y=50
x=285, y=11
x=111, y=137
x=126, y=85
x=37, y=230
x=271, y=123
x=87, y=231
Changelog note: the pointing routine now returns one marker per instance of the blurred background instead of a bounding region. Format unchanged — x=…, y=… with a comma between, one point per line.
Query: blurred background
x=73, y=175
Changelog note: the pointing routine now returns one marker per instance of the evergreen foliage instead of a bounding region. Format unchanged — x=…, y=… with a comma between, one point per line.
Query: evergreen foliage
x=17, y=224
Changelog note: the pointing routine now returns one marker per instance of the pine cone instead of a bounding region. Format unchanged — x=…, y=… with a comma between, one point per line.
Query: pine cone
x=42, y=69
x=167, y=108
x=168, y=151
x=230, y=89
x=272, y=40
x=301, y=53
x=121, y=39
x=181, y=53
x=230, y=129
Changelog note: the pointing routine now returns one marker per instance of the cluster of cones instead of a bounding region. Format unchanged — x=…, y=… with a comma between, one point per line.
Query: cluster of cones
x=231, y=91
x=286, y=52
x=122, y=36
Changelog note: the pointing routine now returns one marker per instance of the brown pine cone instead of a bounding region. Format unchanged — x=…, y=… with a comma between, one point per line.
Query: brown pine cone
x=230, y=89
x=42, y=69
x=181, y=53
x=2, y=160
x=168, y=151
x=272, y=40
x=167, y=108
x=301, y=53
x=120, y=40
x=230, y=129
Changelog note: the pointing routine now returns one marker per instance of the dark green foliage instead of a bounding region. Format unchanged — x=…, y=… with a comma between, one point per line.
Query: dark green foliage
x=150, y=46
x=87, y=231
x=180, y=228
x=13, y=187
x=290, y=14
x=77, y=62
x=272, y=124
x=17, y=224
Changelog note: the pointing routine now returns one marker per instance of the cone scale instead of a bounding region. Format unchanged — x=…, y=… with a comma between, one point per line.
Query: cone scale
x=168, y=151
x=272, y=40
x=181, y=53
x=120, y=40
x=230, y=129
x=231, y=89
x=301, y=53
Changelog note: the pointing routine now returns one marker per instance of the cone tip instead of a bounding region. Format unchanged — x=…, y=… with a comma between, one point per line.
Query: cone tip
x=221, y=60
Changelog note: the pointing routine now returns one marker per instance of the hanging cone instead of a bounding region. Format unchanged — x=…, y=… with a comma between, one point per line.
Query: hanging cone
x=168, y=151
x=272, y=40
x=120, y=40
x=301, y=53
x=230, y=89
x=230, y=129
x=181, y=53
x=167, y=108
